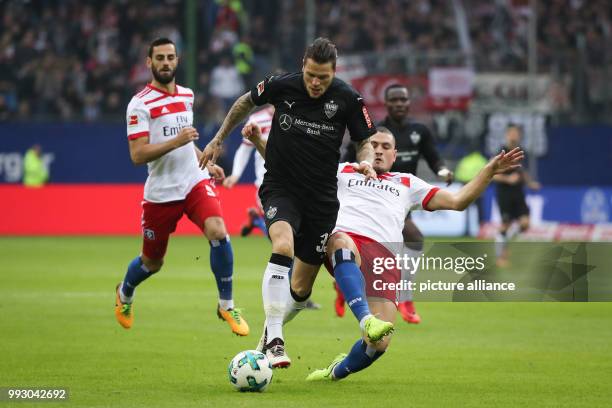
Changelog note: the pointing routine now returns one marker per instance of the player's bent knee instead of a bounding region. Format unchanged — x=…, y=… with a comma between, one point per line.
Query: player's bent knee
x=214, y=228
x=339, y=241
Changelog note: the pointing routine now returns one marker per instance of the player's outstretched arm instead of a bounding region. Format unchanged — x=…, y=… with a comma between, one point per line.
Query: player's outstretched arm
x=445, y=200
x=237, y=113
x=141, y=151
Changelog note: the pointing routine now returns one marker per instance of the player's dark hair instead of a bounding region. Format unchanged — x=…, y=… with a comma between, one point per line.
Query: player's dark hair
x=514, y=125
x=395, y=86
x=159, y=41
x=383, y=129
x=322, y=51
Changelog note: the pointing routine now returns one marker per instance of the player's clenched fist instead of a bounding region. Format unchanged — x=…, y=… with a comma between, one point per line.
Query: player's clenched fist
x=252, y=132
x=186, y=135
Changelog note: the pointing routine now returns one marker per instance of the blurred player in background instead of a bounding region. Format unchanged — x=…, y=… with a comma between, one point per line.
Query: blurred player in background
x=263, y=119
x=371, y=213
x=35, y=173
x=299, y=192
x=511, y=199
x=161, y=133
x=413, y=141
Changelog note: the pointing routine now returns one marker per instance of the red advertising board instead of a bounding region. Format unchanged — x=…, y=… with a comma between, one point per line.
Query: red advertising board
x=98, y=209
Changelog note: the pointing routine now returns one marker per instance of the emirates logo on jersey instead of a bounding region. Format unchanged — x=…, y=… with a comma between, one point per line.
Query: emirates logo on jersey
x=374, y=184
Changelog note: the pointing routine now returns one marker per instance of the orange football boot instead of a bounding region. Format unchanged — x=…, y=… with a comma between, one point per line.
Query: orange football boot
x=123, y=311
x=236, y=321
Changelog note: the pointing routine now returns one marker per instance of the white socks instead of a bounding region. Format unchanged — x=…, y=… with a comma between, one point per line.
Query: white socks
x=362, y=322
x=292, y=308
x=226, y=304
x=276, y=296
x=122, y=297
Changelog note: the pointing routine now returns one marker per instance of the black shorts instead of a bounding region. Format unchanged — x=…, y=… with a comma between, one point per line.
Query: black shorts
x=312, y=220
x=512, y=204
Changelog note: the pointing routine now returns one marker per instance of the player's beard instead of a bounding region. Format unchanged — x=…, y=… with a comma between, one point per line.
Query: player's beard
x=163, y=77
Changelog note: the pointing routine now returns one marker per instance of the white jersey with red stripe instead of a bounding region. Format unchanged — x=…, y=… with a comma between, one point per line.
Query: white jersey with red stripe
x=377, y=208
x=263, y=119
x=159, y=115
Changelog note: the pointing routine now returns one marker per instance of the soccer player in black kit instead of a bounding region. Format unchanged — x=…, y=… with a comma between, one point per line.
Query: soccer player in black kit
x=299, y=191
x=511, y=198
x=413, y=140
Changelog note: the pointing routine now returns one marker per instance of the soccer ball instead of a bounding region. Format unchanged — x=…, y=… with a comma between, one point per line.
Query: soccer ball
x=250, y=370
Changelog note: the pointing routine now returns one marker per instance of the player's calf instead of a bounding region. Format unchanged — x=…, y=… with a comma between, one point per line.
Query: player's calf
x=350, y=281
x=140, y=269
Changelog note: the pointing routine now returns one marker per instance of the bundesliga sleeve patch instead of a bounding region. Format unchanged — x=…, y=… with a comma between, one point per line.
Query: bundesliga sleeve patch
x=133, y=120
x=260, y=88
x=366, y=116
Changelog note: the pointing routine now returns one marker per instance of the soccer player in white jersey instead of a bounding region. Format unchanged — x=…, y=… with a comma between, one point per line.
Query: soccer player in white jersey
x=263, y=119
x=161, y=134
x=372, y=212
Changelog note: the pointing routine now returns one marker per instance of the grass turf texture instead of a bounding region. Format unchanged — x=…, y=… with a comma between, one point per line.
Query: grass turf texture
x=57, y=329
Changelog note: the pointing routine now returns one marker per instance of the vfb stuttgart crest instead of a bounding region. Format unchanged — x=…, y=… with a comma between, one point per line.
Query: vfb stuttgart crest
x=415, y=137
x=271, y=212
x=330, y=108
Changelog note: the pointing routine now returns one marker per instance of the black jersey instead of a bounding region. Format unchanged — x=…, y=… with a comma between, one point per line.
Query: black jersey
x=304, y=143
x=412, y=140
x=513, y=188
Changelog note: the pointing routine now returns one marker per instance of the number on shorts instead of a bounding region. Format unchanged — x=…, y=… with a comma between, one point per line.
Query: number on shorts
x=210, y=191
x=321, y=247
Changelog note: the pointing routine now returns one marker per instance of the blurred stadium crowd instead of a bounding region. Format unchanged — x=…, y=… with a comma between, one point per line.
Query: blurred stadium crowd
x=82, y=60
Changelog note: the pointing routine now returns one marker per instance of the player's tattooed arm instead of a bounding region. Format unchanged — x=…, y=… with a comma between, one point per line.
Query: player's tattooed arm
x=365, y=151
x=237, y=113
x=365, y=157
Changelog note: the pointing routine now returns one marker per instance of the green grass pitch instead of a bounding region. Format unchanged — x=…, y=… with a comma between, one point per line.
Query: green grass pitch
x=57, y=329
